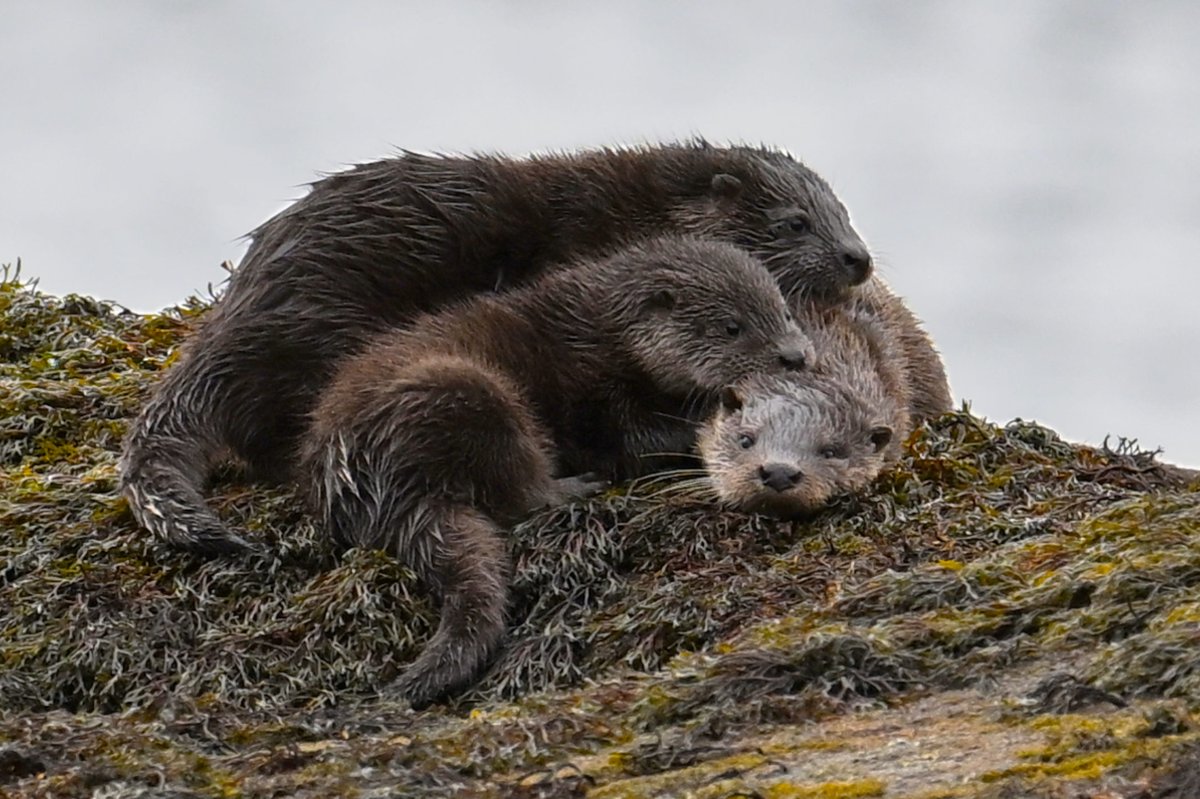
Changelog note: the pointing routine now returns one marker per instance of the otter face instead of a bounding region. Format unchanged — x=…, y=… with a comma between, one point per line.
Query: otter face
x=700, y=315
x=790, y=218
x=786, y=447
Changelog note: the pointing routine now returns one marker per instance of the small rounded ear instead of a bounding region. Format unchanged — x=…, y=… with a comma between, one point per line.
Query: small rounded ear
x=725, y=186
x=881, y=436
x=661, y=301
x=730, y=400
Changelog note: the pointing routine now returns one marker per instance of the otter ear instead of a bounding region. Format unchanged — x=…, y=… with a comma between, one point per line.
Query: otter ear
x=730, y=400
x=660, y=302
x=881, y=436
x=725, y=186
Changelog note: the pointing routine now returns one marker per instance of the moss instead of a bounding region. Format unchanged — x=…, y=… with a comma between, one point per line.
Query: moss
x=829, y=790
x=732, y=776
x=1088, y=766
x=1082, y=749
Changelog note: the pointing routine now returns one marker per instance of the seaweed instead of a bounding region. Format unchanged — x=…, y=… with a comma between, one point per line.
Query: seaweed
x=999, y=591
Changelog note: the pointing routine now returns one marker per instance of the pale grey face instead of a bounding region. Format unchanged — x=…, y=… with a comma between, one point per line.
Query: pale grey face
x=786, y=447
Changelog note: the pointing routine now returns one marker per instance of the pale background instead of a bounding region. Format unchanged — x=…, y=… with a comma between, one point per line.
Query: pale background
x=1027, y=173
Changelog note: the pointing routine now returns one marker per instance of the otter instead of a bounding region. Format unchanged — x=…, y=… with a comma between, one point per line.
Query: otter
x=785, y=446
x=904, y=352
x=370, y=248
x=434, y=437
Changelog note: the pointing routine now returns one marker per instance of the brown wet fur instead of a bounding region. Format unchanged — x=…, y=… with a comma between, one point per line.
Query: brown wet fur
x=435, y=437
x=907, y=356
x=372, y=247
x=787, y=445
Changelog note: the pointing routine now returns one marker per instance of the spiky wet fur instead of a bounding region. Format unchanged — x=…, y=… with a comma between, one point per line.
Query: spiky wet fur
x=372, y=247
x=432, y=439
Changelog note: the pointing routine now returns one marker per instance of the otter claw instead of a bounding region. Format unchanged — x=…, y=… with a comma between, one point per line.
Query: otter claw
x=577, y=487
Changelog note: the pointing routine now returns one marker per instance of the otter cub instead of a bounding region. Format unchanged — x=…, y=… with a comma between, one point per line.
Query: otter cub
x=786, y=446
x=373, y=247
x=433, y=437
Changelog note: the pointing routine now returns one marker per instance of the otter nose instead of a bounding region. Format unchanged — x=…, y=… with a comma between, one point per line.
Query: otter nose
x=779, y=476
x=795, y=358
x=857, y=262
x=795, y=350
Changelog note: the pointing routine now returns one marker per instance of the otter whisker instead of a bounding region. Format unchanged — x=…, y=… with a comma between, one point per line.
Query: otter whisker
x=698, y=488
x=697, y=404
x=692, y=422
x=666, y=476
x=667, y=454
x=682, y=471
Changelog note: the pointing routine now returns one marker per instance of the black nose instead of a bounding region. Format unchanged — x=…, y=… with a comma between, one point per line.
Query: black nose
x=779, y=476
x=793, y=358
x=857, y=262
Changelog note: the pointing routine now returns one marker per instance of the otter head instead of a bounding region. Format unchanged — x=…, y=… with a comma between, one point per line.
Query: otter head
x=695, y=315
x=785, y=447
x=787, y=215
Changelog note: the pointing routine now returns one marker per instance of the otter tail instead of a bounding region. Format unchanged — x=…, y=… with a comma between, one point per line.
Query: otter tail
x=165, y=461
x=377, y=498
x=426, y=462
x=469, y=565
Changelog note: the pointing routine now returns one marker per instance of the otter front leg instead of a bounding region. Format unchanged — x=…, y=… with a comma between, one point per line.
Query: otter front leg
x=470, y=567
x=566, y=490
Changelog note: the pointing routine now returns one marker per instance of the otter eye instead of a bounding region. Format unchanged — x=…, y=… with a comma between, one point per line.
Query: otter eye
x=745, y=441
x=794, y=225
x=798, y=225
x=733, y=329
x=831, y=452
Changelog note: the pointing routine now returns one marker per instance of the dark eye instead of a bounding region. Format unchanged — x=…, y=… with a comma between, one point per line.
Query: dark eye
x=733, y=329
x=745, y=441
x=831, y=452
x=793, y=225
x=798, y=225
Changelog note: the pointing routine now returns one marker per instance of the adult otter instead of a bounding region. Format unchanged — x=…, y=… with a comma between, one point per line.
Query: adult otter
x=370, y=248
x=434, y=436
x=786, y=446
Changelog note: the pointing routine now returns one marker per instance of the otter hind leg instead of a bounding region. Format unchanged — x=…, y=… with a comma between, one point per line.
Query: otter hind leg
x=470, y=571
x=169, y=507
x=165, y=460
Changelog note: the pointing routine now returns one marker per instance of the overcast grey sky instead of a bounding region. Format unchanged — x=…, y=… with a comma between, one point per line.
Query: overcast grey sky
x=1028, y=173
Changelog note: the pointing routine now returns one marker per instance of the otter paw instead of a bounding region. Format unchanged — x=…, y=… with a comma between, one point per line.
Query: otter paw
x=419, y=690
x=577, y=487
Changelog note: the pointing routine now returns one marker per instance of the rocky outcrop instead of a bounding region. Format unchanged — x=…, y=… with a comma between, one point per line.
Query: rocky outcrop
x=1005, y=614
